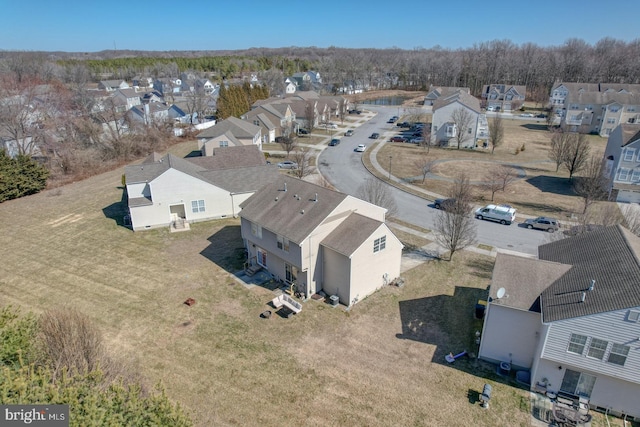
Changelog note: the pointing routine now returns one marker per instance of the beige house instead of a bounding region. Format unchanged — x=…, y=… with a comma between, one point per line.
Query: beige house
x=571, y=318
x=320, y=239
x=436, y=92
x=501, y=97
x=243, y=132
x=275, y=119
x=445, y=130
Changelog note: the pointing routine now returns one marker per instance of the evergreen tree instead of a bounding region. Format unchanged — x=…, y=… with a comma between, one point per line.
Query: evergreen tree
x=20, y=177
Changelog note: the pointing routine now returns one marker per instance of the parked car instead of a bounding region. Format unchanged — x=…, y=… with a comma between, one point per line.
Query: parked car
x=334, y=142
x=360, y=148
x=328, y=126
x=375, y=135
x=504, y=214
x=303, y=132
x=416, y=140
x=287, y=164
x=526, y=115
x=355, y=111
x=541, y=116
x=543, y=223
x=398, y=139
x=349, y=133
x=443, y=204
x=403, y=124
x=392, y=119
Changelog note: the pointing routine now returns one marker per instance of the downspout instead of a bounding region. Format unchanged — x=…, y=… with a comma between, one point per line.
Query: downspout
x=233, y=211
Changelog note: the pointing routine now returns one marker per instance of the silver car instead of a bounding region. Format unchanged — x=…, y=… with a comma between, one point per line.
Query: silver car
x=288, y=164
x=543, y=223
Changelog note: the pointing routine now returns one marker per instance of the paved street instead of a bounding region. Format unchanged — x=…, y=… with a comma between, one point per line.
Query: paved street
x=343, y=167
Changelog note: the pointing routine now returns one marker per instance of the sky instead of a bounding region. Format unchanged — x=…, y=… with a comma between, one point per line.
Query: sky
x=161, y=25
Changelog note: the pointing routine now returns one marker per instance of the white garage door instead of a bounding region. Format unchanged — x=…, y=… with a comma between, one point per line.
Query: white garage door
x=629, y=196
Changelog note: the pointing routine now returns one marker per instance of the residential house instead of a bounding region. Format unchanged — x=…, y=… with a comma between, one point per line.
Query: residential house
x=204, y=86
x=435, y=92
x=167, y=86
x=162, y=191
x=595, y=107
x=149, y=113
x=277, y=118
x=622, y=157
x=142, y=82
x=129, y=97
x=308, y=80
x=111, y=85
x=245, y=133
x=501, y=97
x=320, y=239
x=290, y=86
x=444, y=129
x=571, y=317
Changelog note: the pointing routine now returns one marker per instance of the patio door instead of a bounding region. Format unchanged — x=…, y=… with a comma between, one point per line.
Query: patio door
x=577, y=383
x=261, y=257
x=290, y=273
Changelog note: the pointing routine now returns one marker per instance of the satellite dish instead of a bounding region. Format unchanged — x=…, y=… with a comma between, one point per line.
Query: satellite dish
x=501, y=292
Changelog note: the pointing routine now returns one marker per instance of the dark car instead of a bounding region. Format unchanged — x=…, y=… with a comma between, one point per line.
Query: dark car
x=444, y=204
x=541, y=116
x=398, y=139
x=349, y=133
x=355, y=111
x=403, y=124
x=375, y=135
x=303, y=132
x=392, y=119
x=334, y=142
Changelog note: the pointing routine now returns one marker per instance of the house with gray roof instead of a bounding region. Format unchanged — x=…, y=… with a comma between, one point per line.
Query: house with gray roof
x=319, y=239
x=445, y=126
x=502, y=97
x=244, y=132
x=571, y=317
x=436, y=92
x=170, y=191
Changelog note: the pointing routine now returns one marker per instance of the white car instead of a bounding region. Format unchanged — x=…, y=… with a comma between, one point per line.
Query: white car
x=526, y=115
x=360, y=148
x=287, y=164
x=328, y=126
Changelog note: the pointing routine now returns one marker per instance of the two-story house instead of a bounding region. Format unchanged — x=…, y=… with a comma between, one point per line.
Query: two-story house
x=112, y=85
x=444, y=127
x=501, y=97
x=170, y=191
x=275, y=118
x=622, y=160
x=436, y=92
x=571, y=317
x=320, y=239
x=130, y=97
x=244, y=133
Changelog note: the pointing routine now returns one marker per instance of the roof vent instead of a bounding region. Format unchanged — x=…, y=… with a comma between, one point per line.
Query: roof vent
x=276, y=199
x=316, y=198
x=584, y=296
x=592, y=285
x=285, y=187
x=302, y=211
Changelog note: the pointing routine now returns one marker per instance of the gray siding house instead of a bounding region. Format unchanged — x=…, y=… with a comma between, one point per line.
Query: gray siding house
x=622, y=159
x=572, y=317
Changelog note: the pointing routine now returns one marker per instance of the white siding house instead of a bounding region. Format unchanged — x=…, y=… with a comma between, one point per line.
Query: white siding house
x=622, y=159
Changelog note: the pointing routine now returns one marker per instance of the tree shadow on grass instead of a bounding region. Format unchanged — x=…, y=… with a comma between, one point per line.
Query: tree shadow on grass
x=552, y=184
x=194, y=153
x=481, y=267
x=534, y=126
x=118, y=211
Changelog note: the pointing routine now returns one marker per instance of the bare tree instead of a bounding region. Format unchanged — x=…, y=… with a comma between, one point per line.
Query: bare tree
x=311, y=114
x=559, y=143
x=506, y=175
x=592, y=185
x=288, y=143
x=196, y=104
x=377, y=192
x=303, y=158
x=491, y=183
x=425, y=165
x=463, y=119
x=454, y=226
x=576, y=153
x=631, y=216
x=496, y=132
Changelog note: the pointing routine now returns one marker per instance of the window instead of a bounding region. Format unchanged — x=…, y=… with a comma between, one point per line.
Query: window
x=224, y=143
x=283, y=243
x=623, y=174
x=611, y=120
x=618, y=354
x=633, y=316
x=628, y=154
x=577, y=343
x=256, y=230
x=379, y=244
x=597, y=348
x=635, y=176
x=631, y=108
x=577, y=383
x=607, y=131
x=614, y=109
x=197, y=206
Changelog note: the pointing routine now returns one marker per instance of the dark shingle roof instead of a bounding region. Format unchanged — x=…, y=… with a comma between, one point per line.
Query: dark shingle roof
x=231, y=157
x=239, y=128
x=283, y=213
x=350, y=234
x=610, y=256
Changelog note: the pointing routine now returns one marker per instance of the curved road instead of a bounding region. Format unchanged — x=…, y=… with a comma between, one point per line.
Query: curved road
x=343, y=167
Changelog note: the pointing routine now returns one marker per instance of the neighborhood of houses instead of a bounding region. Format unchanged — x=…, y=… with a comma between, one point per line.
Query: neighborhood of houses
x=570, y=317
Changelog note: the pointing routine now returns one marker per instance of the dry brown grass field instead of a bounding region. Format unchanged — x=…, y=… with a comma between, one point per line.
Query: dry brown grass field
x=542, y=192
x=379, y=364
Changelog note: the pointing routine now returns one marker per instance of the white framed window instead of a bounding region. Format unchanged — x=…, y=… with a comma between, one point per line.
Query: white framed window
x=633, y=316
x=631, y=108
x=256, y=230
x=607, y=131
x=597, y=348
x=614, y=109
x=618, y=354
x=197, y=206
x=611, y=120
x=577, y=343
x=635, y=176
x=282, y=243
x=628, y=154
x=623, y=174
x=379, y=244
x=224, y=143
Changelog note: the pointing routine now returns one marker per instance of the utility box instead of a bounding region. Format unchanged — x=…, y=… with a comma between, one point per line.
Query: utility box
x=334, y=300
x=481, y=306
